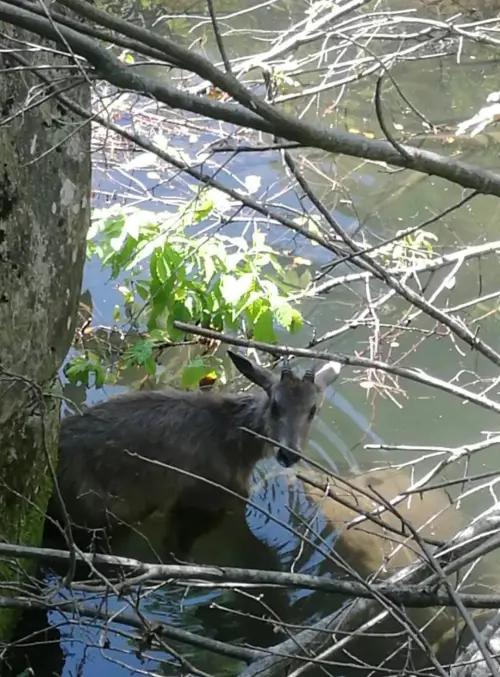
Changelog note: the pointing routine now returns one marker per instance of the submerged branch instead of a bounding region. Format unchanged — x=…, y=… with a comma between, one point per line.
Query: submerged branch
x=363, y=616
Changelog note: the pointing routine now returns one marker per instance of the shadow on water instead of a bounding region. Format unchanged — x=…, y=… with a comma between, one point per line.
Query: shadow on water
x=37, y=648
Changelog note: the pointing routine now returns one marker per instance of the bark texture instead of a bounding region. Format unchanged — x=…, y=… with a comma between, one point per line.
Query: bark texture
x=44, y=215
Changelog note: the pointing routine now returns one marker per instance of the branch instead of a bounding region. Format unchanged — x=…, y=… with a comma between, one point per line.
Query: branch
x=347, y=624
x=416, y=375
x=252, y=113
x=132, y=620
x=421, y=267
x=110, y=67
x=414, y=596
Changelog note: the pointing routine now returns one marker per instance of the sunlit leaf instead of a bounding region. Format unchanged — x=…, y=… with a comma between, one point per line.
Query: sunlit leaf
x=233, y=288
x=162, y=269
x=209, y=262
x=126, y=56
x=203, y=209
x=127, y=294
x=263, y=329
x=193, y=372
x=172, y=274
x=299, y=261
x=271, y=289
x=258, y=239
x=288, y=317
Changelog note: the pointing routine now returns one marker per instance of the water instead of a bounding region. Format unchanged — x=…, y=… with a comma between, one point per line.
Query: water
x=381, y=201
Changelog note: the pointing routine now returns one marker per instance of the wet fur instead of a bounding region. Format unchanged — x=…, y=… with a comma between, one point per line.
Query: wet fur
x=103, y=484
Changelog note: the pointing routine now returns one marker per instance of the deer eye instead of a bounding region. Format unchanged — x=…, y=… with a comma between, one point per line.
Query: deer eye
x=312, y=413
x=275, y=410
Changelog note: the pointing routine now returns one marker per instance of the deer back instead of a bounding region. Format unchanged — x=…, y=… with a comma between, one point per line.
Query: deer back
x=136, y=453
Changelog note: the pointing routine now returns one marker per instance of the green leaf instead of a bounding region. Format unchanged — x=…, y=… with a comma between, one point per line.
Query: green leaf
x=258, y=239
x=288, y=317
x=141, y=351
x=193, y=372
x=203, y=209
x=263, y=329
x=233, y=288
x=256, y=304
x=113, y=225
x=161, y=295
x=126, y=292
x=157, y=335
x=270, y=289
x=180, y=312
x=150, y=366
x=80, y=367
x=142, y=289
x=99, y=376
x=160, y=266
x=208, y=268
x=77, y=370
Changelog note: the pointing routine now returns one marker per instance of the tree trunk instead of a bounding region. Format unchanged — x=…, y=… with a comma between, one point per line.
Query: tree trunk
x=44, y=216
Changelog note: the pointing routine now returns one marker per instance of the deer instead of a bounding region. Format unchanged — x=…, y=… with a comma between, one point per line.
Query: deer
x=184, y=453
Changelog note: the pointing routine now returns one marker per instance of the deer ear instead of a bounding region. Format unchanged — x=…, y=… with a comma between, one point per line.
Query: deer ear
x=327, y=374
x=258, y=375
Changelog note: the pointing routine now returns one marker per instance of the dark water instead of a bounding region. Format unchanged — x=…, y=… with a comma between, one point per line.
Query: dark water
x=352, y=416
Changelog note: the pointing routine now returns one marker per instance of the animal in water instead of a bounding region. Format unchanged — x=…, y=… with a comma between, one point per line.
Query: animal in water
x=145, y=452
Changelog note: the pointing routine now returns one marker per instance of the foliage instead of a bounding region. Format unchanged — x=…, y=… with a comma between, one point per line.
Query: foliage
x=406, y=251
x=80, y=368
x=164, y=274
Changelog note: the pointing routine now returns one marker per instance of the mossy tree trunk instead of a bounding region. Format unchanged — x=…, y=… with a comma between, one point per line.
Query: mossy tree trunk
x=44, y=216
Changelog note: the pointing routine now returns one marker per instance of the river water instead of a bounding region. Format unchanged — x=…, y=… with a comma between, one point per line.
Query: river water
x=378, y=201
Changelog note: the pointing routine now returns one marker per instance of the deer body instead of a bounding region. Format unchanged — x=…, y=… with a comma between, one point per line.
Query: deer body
x=136, y=454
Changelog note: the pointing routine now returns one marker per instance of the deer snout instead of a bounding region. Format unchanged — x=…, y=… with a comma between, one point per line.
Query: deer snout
x=286, y=457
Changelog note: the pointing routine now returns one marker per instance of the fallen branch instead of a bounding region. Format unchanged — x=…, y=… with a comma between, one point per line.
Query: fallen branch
x=162, y=630
x=363, y=616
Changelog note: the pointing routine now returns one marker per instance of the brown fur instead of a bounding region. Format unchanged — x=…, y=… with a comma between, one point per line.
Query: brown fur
x=103, y=482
